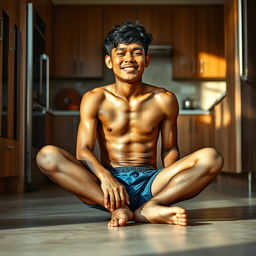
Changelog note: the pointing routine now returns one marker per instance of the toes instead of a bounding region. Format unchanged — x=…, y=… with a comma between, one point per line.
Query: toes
x=113, y=222
x=122, y=221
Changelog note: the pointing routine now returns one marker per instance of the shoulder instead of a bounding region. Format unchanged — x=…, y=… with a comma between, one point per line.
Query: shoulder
x=96, y=94
x=162, y=95
x=166, y=100
x=92, y=100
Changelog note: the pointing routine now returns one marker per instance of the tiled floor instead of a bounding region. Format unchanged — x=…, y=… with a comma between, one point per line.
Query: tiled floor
x=53, y=222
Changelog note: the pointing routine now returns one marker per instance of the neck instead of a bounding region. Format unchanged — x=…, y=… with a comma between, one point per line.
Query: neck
x=128, y=90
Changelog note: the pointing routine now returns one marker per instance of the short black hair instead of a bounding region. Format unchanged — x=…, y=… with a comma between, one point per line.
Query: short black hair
x=126, y=33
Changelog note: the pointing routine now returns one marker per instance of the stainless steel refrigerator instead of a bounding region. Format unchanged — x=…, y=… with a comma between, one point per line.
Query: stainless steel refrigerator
x=37, y=95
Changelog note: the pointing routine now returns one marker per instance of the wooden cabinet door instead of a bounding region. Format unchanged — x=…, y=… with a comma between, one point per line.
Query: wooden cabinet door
x=194, y=132
x=90, y=44
x=184, y=134
x=66, y=136
x=210, y=42
x=11, y=7
x=65, y=48
x=114, y=15
x=158, y=21
x=184, y=65
x=202, y=132
x=9, y=150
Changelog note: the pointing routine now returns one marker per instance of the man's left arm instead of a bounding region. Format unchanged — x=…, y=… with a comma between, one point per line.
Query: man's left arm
x=170, y=149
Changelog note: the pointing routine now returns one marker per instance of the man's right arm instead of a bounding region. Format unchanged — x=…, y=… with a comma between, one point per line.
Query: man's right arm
x=86, y=136
x=115, y=195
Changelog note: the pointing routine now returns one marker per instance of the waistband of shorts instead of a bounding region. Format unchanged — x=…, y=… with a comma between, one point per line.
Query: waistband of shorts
x=130, y=168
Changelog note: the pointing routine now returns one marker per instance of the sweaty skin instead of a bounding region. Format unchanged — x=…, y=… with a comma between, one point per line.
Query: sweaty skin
x=128, y=129
x=126, y=118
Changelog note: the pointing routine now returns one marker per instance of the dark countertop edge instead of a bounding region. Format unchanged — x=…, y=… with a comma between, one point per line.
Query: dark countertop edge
x=181, y=112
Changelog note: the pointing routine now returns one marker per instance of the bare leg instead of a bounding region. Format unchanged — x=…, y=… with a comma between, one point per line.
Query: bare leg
x=64, y=169
x=183, y=180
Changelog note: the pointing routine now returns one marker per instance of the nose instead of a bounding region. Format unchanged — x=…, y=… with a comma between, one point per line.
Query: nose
x=128, y=57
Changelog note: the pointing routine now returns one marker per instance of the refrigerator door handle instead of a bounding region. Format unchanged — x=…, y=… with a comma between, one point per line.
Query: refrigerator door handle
x=45, y=58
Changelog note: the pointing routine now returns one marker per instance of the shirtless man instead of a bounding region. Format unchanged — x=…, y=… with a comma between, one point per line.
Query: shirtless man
x=126, y=118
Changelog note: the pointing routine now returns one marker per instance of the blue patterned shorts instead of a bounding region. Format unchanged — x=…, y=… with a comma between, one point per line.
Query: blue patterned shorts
x=137, y=181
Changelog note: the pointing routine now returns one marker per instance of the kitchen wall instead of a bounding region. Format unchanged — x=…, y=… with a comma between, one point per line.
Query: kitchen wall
x=158, y=73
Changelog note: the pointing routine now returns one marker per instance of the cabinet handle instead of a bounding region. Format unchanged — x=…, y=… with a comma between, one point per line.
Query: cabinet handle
x=9, y=147
x=1, y=27
x=201, y=66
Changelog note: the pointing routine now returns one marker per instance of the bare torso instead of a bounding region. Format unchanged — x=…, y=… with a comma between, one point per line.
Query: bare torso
x=128, y=130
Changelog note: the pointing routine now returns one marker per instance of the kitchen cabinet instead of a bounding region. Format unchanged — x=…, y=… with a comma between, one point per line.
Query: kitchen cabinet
x=114, y=15
x=9, y=93
x=199, y=43
x=65, y=131
x=9, y=157
x=158, y=21
x=11, y=7
x=45, y=10
x=77, y=42
x=194, y=132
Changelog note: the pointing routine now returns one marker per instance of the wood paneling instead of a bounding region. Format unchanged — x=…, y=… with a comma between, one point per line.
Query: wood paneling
x=199, y=42
x=9, y=157
x=90, y=47
x=158, y=21
x=78, y=47
x=210, y=42
x=65, y=41
x=228, y=112
x=194, y=132
x=114, y=15
x=184, y=42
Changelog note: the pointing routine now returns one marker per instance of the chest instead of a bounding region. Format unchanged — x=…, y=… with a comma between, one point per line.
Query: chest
x=119, y=117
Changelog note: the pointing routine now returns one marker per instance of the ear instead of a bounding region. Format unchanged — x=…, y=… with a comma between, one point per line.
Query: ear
x=108, y=61
x=147, y=60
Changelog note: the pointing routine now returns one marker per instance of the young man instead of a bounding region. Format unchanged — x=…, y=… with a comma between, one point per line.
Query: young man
x=126, y=118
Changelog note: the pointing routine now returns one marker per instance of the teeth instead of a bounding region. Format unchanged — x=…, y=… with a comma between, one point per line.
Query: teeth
x=129, y=69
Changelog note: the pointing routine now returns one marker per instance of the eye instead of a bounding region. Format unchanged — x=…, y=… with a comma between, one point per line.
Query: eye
x=120, y=54
x=137, y=53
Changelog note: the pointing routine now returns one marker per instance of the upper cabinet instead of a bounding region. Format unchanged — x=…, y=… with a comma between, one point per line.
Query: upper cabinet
x=11, y=7
x=195, y=32
x=199, y=43
x=114, y=15
x=77, y=45
x=158, y=21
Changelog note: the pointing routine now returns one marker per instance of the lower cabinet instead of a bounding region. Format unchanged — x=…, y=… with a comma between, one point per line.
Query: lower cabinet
x=65, y=132
x=194, y=132
x=9, y=158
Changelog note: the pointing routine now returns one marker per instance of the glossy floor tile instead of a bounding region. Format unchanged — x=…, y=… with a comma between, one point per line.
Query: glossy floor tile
x=53, y=222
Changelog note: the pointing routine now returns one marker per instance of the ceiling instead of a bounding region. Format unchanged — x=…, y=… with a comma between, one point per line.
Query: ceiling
x=69, y=2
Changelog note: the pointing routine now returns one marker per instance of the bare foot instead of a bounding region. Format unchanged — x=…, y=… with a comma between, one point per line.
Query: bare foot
x=154, y=213
x=120, y=217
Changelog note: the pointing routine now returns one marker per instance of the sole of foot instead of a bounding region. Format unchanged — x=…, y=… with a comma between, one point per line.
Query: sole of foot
x=154, y=213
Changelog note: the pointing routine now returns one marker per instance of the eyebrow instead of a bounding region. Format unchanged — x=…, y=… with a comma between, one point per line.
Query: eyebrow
x=124, y=48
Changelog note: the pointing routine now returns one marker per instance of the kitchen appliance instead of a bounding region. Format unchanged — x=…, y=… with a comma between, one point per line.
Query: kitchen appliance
x=37, y=94
x=188, y=103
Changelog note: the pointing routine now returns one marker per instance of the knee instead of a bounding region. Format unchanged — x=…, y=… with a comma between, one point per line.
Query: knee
x=213, y=159
x=46, y=159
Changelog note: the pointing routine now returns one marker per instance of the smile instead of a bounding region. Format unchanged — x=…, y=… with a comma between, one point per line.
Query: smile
x=129, y=69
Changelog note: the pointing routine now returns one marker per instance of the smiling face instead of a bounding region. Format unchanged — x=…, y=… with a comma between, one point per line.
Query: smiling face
x=128, y=62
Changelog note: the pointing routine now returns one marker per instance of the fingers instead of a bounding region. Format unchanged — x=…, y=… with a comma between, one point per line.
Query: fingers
x=112, y=200
x=106, y=199
x=115, y=196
